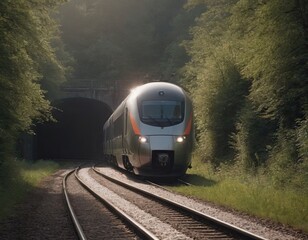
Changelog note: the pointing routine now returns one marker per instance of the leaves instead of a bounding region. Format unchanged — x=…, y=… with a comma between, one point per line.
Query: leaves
x=248, y=53
x=115, y=40
x=25, y=36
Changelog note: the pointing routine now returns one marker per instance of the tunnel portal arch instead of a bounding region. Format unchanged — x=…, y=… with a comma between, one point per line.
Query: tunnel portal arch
x=78, y=132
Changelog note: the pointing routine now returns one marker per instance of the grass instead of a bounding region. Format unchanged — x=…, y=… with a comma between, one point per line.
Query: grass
x=32, y=174
x=250, y=194
x=18, y=178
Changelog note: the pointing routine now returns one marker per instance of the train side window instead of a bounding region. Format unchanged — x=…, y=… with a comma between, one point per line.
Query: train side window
x=118, y=126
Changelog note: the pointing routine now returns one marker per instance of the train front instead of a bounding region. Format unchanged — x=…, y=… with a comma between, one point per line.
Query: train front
x=165, y=140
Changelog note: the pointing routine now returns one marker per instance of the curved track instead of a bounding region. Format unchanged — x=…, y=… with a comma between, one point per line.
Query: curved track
x=115, y=217
x=72, y=214
x=193, y=223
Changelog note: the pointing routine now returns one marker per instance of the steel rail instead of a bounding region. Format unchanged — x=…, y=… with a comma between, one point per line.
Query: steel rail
x=137, y=226
x=157, y=185
x=166, y=189
x=185, y=183
x=72, y=214
x=227, y=226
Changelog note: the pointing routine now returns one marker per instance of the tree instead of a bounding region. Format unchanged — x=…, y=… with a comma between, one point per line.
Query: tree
x=215, y=81
x=275, y=56
x=114, y=40
x=26, y=30
x=265, y=43
x=274, y=59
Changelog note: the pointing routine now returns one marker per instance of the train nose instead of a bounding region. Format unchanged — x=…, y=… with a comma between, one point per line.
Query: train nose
x=161, y=143
x=162, y=152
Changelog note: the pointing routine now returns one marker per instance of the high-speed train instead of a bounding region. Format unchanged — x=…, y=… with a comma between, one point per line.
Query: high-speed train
x=151, y=133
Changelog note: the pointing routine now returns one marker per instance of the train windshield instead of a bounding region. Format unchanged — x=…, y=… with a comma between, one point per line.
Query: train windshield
x=162, y=113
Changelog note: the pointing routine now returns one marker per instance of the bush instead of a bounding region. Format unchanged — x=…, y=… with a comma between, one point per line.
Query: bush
x=252, y=138
x=287, y=169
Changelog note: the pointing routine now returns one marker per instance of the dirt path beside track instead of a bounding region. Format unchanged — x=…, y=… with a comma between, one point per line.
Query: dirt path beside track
x=43, y=214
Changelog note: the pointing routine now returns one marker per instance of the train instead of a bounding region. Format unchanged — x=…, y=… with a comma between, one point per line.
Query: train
x=151, y=133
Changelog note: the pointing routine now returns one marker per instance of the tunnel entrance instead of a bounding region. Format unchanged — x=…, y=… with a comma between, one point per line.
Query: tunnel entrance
x=78, y=132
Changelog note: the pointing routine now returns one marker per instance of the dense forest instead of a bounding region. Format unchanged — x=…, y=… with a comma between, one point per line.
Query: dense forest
x=244, y=63
x=248, y=74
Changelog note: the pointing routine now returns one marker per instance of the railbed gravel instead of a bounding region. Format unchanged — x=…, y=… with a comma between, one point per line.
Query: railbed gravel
x=266, y=229
x=153, y=224
x=177, y=220
x=43, y=214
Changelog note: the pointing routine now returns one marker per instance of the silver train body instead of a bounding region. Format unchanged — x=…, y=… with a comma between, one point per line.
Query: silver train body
x=151, y=132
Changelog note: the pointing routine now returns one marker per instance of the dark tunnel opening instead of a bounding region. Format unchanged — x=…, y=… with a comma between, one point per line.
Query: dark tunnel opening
x=78, y=132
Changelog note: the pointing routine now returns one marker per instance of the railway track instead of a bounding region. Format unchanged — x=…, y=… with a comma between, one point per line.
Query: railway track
x=77, y=226
x=158, y=184
x=163, y=219
x=98, y=221
x=190, y=222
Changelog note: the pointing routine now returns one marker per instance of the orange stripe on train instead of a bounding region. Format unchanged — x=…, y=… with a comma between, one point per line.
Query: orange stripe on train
x=134, y=125
x=188, y=127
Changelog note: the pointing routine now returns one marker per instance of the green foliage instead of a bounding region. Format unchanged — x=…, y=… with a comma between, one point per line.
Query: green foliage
x=215, y=82
x=282, y=167
x=251, y=140
x=275, y=59
x=26, y=30
x=248, y=77
x=175, y=56
x=288, y=159
x=302, y=145
x=252, y=194
x=10, y=186
x=17, y=178
x=302, y=140
x=33, y=173
x=274, y=56
x=55, y=73
x=126, y=40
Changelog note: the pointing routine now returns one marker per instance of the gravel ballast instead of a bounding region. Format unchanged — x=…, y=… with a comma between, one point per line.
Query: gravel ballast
x=43, y=214
x=153, y=224
x=250, y=224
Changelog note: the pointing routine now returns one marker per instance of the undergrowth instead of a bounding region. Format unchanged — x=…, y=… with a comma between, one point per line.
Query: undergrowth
x=252, y=193
x=18, y=178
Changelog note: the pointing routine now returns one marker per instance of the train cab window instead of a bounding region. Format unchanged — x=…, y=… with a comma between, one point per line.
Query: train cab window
x=162, y=113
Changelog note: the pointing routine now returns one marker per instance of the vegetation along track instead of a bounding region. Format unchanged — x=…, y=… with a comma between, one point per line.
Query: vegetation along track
x=94, y=220
x=190, y=222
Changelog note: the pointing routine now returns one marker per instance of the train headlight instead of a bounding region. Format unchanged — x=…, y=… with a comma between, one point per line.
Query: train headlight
x=143, y=139
x=180, y=139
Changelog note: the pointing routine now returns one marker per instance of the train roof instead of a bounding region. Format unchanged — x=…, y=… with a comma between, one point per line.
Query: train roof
x=157, y=88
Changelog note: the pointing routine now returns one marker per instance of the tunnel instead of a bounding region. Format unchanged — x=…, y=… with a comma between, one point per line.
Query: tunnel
x=77, y=132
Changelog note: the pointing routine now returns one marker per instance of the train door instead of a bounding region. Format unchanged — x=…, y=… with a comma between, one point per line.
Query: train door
x=125, y=157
